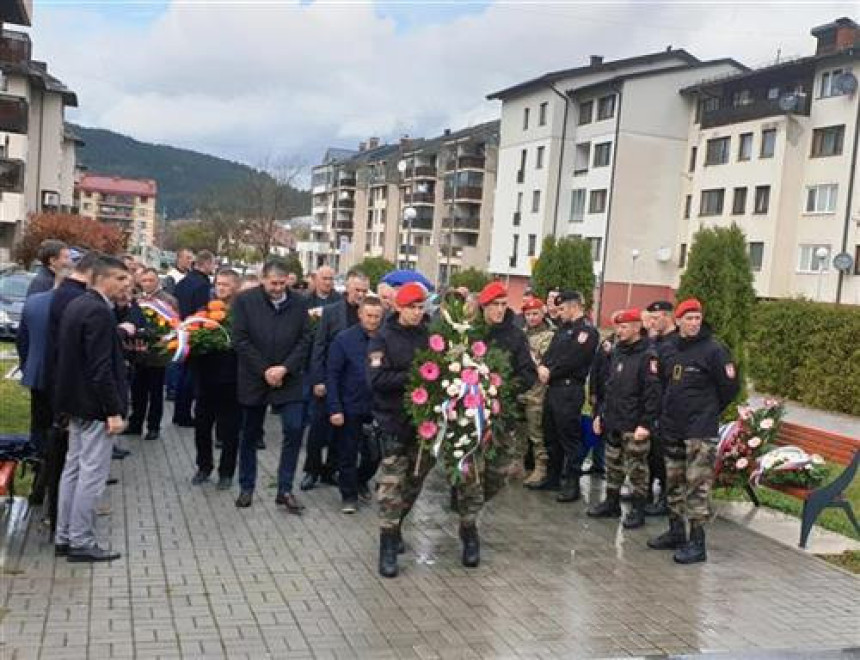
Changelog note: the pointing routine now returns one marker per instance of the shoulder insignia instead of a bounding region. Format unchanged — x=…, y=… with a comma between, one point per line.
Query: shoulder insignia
x=582, y=337
x=654, y=366
x=375, y=359
x=730, y=370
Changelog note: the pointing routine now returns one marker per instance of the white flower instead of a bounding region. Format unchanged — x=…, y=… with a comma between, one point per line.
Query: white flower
x=470, y=412
x=446, y=383
x=437, y=409
x=458, y=453
x=492, y=391
x=484, y=370
x=741, y=463
x=754, y=442
x=817, y=460
x=464, y=438
x=468, y=361
x=463, y=422
x=767, y=424
x=452, y=390
x=454, y=367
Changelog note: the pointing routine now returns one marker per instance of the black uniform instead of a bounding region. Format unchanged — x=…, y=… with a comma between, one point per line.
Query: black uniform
x=664, y=345
x=633, y=390
x=508, y=337
x=568, y=359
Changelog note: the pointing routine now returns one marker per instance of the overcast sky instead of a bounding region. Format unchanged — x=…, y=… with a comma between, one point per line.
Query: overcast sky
x=251, y=80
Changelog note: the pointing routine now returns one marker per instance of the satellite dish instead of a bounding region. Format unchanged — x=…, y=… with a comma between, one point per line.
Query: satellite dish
x=847, y=82
x=788, y=102
x=843, y=261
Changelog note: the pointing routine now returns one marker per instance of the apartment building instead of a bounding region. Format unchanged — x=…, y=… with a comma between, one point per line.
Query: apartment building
x=775, y=151
x=37, y=152
x=129, y=204
x=421, y=203
x=588, y=148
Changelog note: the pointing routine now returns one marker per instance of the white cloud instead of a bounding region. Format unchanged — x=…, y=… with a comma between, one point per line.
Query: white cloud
x=250, y=81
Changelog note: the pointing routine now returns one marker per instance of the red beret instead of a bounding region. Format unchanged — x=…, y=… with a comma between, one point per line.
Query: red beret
x=410, y=293
x=490, y=292
x=689, y=305
x=632, y=315
x=532, y=302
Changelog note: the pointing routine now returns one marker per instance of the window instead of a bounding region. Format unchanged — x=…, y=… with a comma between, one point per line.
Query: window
x=712, y=202
x=606, y=107
x=525, y=119
x=596, y=243
x=586, y=111
x=581, y=158
x=717, y=152
x=694, y=151
x=535, y=201
x=829, y=84
x=808, y=260
x=821, y=199
x=688, y=205
x=519, y=202
x=773, y=93
x=711, y=104
x=515, y=250
x=577, y=204
x=682, y=255
x=762, y=199
x=542, y=113
x=532, y=245
x=739, y=201
x=521, y=174
x=597, y=201
x=540, y=152
x=857, y=259
x=827, y=141
x=741, y=98
x=768, y=143
x=745, y=146
x=756, y=252
x=602, y=154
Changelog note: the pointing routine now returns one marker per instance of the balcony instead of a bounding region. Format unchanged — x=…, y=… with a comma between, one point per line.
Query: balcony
x=423, y=198
x=420, y=172
x=123, y=222
x=346, y=182
x=11, y=175
x=469, y=194
x=758, y=109
x=347, y=203
x=118, y=200
x=465, y=163
x=15, y=47
x=467, y=224
x=409, y=249
x=13, y=115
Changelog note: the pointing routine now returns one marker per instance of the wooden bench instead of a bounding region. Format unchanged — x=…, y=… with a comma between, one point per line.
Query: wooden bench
x=833, y=447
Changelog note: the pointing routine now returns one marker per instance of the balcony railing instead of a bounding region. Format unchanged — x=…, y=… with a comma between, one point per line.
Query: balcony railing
x=424, y=198
x=118, y=200
x=11, y=175
x=13, y=115
x=346, y=182
x=468, y=224
x=420, y=172
x=469, y=193
x=465, y=163
x=347, y=203
x=756, y=110
x=408, y=249
x=15, y=47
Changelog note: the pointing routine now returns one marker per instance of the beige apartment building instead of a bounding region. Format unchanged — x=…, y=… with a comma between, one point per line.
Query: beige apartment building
x=37, y=151
x=129, y=204
x=421, y=203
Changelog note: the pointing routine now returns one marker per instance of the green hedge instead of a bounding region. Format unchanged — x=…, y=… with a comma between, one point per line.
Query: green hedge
x=808, y=352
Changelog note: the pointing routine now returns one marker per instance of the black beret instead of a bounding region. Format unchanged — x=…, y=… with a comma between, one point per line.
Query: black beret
x=660, y=306
x=569, y=296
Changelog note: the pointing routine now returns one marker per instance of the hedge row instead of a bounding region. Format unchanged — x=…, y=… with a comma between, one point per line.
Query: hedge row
x=808, y=352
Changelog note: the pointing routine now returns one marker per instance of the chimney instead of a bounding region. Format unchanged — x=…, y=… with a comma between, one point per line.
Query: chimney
x=362, y=146
x=841, y=34
x=373, y=143
x=595, y=60
x=446, y=132
x=405, y=141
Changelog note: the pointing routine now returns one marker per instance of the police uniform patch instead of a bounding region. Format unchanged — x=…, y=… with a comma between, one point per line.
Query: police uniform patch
x=677, y=372
x=654, y=366
x=582, y=337
x=375, y=359
x=730, y=371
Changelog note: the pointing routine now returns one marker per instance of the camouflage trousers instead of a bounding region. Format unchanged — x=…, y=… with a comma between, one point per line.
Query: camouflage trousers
x=690, y=477
x=532, y=402
x=627, y=457
x=399, y=484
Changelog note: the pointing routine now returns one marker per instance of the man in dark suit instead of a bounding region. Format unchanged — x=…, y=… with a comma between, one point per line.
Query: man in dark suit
x=91, y=390
x=192, y=294
x=55, y=258
x=339, y=316
x=270, y=337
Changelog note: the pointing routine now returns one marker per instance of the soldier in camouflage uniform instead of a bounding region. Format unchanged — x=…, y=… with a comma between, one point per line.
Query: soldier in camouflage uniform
x=626, y=415
x=701, y=380
x=539, y=334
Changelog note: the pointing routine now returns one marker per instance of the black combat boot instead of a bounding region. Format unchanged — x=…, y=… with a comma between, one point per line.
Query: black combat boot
x=570, y=490
x=388, y=553
x=608, y=508
x=471, y=546
x=658, y=508
x=694, y=551
x=635, y=518
x=672, y=539
x=401, y=546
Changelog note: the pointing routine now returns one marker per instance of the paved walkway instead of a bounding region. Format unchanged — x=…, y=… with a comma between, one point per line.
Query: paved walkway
x=202, y=579
x=820, y=419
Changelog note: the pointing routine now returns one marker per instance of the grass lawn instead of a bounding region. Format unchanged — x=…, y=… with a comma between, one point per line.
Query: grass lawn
x=15, y=417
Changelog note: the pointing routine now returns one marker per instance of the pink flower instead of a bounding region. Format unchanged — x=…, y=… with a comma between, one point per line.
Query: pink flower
x=472, y=401
x=479, y=348
x=437, y=343
x=470, y=377
x=767, y=424
x=754, y=442
x=427, y=430
x=745, y=412
x=429, y=371
x=741, y=463
x=496, y=407
x=419, y=396
x=495, y=380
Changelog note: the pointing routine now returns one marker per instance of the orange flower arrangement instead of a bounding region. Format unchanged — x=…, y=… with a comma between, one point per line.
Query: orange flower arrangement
x=210, y=334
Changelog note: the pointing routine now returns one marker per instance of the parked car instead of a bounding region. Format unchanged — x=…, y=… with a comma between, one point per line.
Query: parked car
x=13, y=291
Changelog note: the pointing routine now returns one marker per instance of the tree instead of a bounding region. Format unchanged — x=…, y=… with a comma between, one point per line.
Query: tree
x=565, y=264
x=719, y=274
x=471, y=278
x=192, y=235
x=294, y=265
x=74, y=230
x=374, y=268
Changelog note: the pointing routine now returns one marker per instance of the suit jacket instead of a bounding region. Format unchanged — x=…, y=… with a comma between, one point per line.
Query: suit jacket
x=193, y=293
x=334, y=320
x=91, y=381
x=44, y=281
x=32, y=340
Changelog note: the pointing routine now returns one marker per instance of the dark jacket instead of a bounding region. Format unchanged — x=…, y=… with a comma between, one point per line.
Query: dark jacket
x=265, y=336
x=665, y=345
x=571, y=352
x=701, y=381
x=334, y=319
x=91, y=380
x=315, y=301
x=216, y=369
x=508, y=337
x=390, y=353
x=347, y=384
x=599, y=373
x=32, y=340
x=68, y=290
x=633, y=391
x=44, y=281
x=193, y=292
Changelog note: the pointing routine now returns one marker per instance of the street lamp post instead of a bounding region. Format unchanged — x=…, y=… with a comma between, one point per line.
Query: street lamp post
x=821, y=255
x=409, y=215
x=634, y=255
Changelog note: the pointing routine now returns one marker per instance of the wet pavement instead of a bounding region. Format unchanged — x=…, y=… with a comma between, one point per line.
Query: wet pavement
x=202, y=579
